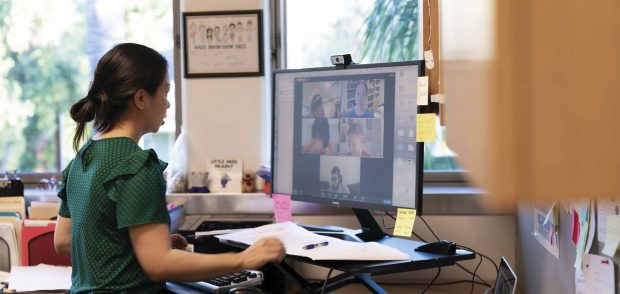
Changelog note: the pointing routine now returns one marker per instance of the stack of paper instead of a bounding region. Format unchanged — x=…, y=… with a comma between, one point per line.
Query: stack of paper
x=296, y=238
x=39, y=278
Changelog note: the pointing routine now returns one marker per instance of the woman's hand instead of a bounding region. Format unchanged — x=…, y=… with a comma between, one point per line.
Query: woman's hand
x=178, y=242
x=263, y=251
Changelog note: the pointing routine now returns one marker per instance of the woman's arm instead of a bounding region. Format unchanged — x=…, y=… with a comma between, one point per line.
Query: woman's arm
x=151, y=242
x=62, y=236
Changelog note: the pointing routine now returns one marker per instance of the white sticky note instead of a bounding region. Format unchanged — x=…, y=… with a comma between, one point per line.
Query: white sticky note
x=423, y=90
x=598, y=274
x=429, y=61
x=612, y=236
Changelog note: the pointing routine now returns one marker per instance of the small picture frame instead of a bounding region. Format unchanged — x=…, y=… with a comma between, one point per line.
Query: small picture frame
x=223, y=43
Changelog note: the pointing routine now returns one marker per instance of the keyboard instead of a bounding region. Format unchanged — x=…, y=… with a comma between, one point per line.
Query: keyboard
x=223, y=284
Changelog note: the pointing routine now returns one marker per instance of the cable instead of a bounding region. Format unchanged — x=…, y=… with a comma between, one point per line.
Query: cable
x=430, y=25
x=474, y=276
x=429, y=227
x=433, y=281
x=327, y=278
x=434, y=284
x=483, y=282
x=474, y=251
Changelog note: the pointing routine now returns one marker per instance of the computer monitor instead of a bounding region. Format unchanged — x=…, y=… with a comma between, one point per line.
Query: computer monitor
x=347, y=136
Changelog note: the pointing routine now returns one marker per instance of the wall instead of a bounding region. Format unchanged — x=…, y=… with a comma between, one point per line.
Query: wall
x=223, y=117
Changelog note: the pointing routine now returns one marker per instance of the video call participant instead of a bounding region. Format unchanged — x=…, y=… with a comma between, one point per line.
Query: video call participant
x=360, y=110
x=336, y=185
x=355, y=136
x=319, y=142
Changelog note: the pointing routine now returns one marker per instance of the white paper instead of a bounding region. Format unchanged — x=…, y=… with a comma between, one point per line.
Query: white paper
x=591, y=229
x=612, y=237
x=580, y=282
x=216, y=232
x=598, y=273
x=606, y=208
x=294, y=238
x=40, y=277
x=423, y=90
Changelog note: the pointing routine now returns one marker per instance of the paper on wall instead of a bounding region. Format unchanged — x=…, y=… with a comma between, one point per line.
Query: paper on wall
x=612, y=237
x=606, y=208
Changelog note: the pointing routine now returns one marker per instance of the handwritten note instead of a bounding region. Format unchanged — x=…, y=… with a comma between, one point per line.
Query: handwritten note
x=425, y=126
x=281, y=207
x=404, y=222
x=422, y=90
x=612, y=237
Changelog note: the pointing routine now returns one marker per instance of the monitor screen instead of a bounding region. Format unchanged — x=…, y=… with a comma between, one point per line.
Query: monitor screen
x=347, y=136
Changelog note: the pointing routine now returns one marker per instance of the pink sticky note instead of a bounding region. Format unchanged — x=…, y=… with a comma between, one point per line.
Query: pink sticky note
x=281, y=207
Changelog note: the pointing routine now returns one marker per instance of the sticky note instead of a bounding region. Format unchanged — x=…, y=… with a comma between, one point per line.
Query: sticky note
x=281, y=207
x=612, y=236
x=404, y=222
x=428, y=59
x=422, y=91
x=425, y=126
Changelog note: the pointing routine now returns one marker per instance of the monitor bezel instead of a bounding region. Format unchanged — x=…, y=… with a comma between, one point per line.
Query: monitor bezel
x=347, y=203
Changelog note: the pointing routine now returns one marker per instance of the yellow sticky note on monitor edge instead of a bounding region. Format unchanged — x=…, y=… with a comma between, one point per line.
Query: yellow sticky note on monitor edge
x=404, y=222
x=425, y=127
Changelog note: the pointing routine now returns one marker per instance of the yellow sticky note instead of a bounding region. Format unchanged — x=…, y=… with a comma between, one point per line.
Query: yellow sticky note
x=404, y=222
x=425, y=126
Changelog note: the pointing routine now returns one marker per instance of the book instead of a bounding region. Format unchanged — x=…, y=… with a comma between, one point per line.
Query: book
x=225, y=175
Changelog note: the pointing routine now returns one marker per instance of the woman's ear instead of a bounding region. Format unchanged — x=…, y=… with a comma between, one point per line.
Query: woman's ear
x=140, y=99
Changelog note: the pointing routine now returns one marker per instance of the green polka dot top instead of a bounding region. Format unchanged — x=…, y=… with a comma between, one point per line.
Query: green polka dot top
x=111, y=185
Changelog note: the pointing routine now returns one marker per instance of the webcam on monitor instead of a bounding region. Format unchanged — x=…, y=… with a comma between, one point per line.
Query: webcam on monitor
x=344, y=59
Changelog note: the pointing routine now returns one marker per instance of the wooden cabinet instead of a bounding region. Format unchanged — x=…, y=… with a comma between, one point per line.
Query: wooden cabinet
x=533, y=96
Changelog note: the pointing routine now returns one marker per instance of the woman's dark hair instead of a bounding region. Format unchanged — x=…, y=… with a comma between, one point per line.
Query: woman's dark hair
x=317, y=101
x=320, y=129
x=120, y=73
x=336, y=171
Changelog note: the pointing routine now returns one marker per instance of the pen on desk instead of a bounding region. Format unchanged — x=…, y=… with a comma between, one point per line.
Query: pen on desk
x=315, y=245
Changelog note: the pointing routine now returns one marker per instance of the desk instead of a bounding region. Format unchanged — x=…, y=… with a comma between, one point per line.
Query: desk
x=360, y=271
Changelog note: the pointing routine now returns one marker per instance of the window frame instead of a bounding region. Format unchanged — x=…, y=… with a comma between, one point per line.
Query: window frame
x=279, y=42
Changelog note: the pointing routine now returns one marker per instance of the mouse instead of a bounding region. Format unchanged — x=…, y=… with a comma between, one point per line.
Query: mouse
x=441, y=247
x=247, y=291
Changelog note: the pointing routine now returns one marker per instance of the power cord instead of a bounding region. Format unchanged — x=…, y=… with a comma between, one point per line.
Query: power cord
x=327, y=278
x=483, y=282
x=433, y=281
x=472, y=276
x=488, y=258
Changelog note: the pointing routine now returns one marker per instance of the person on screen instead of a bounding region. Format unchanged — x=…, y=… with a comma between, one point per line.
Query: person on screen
x=360, y=110
x=336, y=185
x=356, y=136
x=113, y=221
x=316, y=106
x=319, y=142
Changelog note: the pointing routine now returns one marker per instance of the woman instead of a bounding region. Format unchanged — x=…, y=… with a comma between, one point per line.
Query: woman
x=356, y=145
x=360, y=110
x=319, y=142
x=336, y=184
x=113, y=221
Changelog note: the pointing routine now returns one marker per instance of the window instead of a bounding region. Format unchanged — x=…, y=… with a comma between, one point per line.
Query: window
x=48, y=52
x=371, y=31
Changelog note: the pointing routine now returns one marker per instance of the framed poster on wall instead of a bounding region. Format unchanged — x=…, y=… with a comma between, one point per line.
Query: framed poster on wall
x=223, y=43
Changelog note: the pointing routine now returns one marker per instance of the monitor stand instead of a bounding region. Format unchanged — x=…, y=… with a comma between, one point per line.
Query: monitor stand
x=371, y=231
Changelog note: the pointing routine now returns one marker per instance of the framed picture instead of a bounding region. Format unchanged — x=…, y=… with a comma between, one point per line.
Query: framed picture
x=223, y=43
